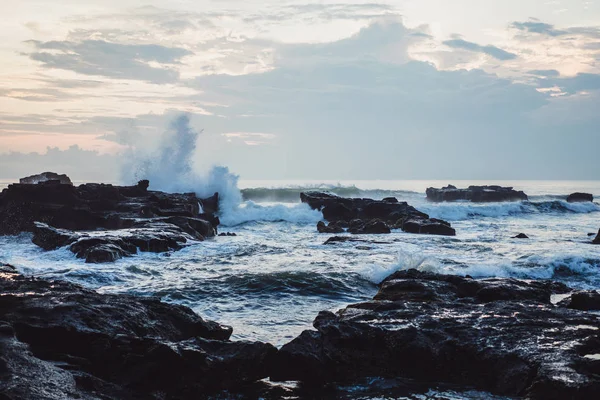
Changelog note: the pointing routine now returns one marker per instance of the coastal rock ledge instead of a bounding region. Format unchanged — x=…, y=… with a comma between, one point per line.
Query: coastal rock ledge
x=368, y=216
x=102, y=223
x=476, y=194
x=503, y=336
x=60, y=341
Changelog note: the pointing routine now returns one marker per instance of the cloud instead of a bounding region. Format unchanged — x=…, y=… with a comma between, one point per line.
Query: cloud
x=547, y=73
x=492, y=51
x=538, y=27
x=113, y=60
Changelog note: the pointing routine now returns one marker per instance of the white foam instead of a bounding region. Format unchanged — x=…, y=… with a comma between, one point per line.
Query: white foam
x=409, y=257
x=251, y=211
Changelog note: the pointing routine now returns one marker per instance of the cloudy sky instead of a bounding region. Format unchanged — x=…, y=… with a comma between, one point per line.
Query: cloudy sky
x=405, y=89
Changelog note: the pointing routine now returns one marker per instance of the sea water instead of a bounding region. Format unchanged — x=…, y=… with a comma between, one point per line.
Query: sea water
x=270, y=281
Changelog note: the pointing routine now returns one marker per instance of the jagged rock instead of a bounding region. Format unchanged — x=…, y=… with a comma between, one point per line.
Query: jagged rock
x=105, y=246
x=333, y=227
x=45, y=177
x=148, y=220
x=583, y=300
x=227, y=234
x=372, y=216
x=597, y=239
x=580, y=197
x=210, y=205
x=499, y=335
x=521, y=236
x=58, y=341
x=478, y=194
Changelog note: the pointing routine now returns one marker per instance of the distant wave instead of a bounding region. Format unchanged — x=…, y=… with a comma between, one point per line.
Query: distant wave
x=291, y=194
x=462, y=210
x=251, y=211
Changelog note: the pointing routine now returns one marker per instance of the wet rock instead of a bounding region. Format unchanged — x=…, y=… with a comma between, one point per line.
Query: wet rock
x=521, y=236
x=478, y=194
x=45, y=177
x=372, y=216
x=583, y=300
x=210, y=205
x=227, y=234
x=332, y=227
x=58, y=341
x=60, y=215
x=431, y=226
x=597, y=239
x=499, y=335
x=580, y=197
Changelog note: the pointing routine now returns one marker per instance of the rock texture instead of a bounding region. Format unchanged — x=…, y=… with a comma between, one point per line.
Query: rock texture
x=45, y=177
x=597, y=239
x=59, y=341
x=477, y=194
x=367, y=216
x=105, y=222
x=580, y=197
x=499, y=335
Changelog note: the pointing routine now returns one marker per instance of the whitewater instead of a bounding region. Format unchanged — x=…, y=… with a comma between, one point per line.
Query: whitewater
x=271, y=280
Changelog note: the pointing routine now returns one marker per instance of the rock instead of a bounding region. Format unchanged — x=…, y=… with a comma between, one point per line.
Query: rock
x=597, y=239
x=59, y=341
x=521, y=236
x=372, y=216
x=149, y=220
x=587, y=300
x=155, y=236
x=502, y=336
x=580, y=197
x=210, y=205
x=44, y=177
x=331, y=228
x=431, y=226
x=227, y=234
x=478, y=194
x=344, y=239
x=374, y=226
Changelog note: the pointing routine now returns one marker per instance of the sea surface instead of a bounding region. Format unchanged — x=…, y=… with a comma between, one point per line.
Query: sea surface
x=270, y=281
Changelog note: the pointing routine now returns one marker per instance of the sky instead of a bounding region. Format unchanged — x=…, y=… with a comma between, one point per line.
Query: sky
x=405, y=89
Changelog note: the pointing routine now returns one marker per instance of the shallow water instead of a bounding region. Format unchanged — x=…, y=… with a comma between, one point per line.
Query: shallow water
x=271, y=280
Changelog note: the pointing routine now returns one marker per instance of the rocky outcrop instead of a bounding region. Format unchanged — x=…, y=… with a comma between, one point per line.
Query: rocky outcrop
x=105, y=222
x=367, y=216
x=521, y=236
x=580, y=197
x=503, y=336
x=45, y=177
x=597, y=239
x=59, y=341
x=477, y=194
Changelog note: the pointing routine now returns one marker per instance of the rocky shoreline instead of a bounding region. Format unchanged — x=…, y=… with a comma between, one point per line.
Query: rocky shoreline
x=504, y=336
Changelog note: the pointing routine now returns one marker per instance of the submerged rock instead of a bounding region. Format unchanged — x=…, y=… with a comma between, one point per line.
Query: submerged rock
x=580, y=197
x=499, y=335
x=477, y=194
x=58, y=341
x=372, y=216
x=521, y=236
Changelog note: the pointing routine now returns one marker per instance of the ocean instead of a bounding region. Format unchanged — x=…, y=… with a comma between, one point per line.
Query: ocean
x=271, y=280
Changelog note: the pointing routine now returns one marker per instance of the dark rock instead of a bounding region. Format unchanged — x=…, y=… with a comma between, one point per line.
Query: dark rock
x=331, y=228
x=374, y=226
x=431, y=226
x=499, y=335
x=45, y=177
x=149, y=220
x=344, y=239
x=58, y=341
x=210, y=205
x=583, y=300
x=372, y=216
x=580, y=197
x=478, y=194
x=227, y=234
x=597, y=239
x=521, y=236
